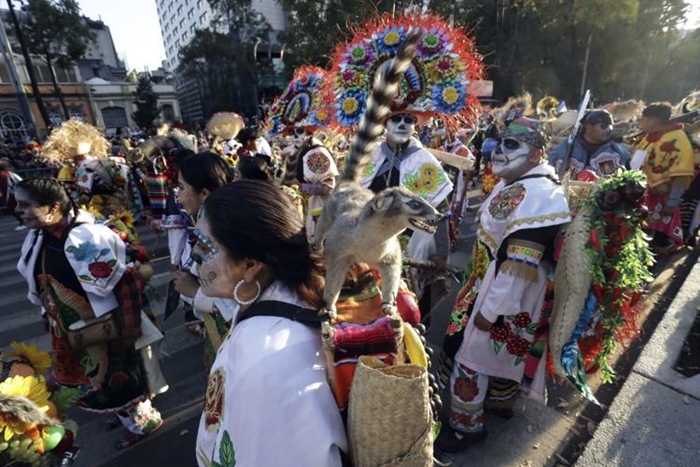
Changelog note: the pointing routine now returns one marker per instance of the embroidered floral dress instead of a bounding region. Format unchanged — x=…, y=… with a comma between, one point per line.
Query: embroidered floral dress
x=268, y=402
x=517, y=224
x=74, y=274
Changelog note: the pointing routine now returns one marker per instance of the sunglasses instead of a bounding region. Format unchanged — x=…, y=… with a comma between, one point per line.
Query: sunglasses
x=510, y=143
x=409, y=119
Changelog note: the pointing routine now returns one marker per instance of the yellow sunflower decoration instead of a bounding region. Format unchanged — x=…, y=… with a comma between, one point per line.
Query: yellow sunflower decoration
x=37, y=359
x=31, y=387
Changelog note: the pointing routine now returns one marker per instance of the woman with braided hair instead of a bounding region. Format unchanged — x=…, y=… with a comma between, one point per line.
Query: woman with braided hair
x=77, y=271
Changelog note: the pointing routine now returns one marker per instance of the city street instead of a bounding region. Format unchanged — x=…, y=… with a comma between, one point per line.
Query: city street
x=537, y=435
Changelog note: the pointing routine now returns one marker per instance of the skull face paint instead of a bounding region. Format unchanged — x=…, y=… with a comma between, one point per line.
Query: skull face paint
x=399, y=128
x=217, y=273
x=510, y=158
x=205, y=245
x=298, y=136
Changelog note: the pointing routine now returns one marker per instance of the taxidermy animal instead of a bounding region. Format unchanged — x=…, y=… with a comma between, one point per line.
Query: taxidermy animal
x=358, y=226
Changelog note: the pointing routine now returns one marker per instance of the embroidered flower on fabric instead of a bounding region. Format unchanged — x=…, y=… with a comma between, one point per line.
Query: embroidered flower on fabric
x=100, y=269
x=466, y=389
x=426, y=181
x=506, y=201
x=318, y=163
x=214, y=400
x=84, y=252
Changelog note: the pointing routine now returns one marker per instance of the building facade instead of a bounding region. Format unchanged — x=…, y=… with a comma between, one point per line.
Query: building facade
x=179, y=20
x=93, y=89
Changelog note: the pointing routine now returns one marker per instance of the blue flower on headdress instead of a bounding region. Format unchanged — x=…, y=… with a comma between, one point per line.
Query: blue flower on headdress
x=275, y=127
x=449, y=97
x=388, y=41
x=350, y=107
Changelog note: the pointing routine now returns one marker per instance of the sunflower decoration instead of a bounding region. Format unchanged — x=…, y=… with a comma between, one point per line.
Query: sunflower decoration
x=436, y=84
x=39, y=360
x=32, y=388
x=306, y=103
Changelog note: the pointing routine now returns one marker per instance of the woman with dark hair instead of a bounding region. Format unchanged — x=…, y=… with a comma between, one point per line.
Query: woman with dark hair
x=258, y=167
x=78, y=271
x=268, y=399
x=198, y=177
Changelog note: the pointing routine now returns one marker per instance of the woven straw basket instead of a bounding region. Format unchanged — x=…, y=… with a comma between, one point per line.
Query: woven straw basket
x=389, y=415
x=577, y=193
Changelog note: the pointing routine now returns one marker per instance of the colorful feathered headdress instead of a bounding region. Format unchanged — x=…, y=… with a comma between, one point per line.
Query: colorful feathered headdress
x=306, y=103
x=436, y=84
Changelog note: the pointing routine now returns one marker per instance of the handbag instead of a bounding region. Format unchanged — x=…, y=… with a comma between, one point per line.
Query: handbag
x=121, y=323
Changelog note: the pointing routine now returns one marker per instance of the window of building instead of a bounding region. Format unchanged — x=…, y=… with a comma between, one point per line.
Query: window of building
x=65, y=75
x=168, y=112
x=190, y=13
x=12, y=126
x=192, y=27
x=182, y=23
x=167, y=27
x=114, y=117
x=170, y=50
x=184, y=37
x=175, y=31
x=177, y=44
x=199, y=4
x=179, y=10
x=77, y=112
x=203, y=18
x=54, y=115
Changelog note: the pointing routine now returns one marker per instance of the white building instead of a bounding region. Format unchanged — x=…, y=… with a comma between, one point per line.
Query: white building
x=179, y=19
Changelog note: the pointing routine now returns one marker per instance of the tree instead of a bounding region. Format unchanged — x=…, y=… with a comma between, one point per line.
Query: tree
x=541, y=45
x=146, y=101
x=55, y=30
x=314, y=28
x=220, y=59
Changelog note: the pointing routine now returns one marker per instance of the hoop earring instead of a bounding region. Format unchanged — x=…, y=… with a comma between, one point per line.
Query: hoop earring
x=49, y=217
x=245, y=302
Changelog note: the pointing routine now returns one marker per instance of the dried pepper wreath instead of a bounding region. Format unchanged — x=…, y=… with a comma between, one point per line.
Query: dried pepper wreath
x=621, y=264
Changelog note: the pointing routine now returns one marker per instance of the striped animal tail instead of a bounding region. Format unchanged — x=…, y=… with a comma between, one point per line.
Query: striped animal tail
x=384, y=89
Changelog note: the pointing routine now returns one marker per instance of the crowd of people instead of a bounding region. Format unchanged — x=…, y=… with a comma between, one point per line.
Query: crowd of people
x=240, y=206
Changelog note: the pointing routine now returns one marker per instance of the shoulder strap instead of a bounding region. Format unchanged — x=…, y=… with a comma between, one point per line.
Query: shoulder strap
x=306, y=316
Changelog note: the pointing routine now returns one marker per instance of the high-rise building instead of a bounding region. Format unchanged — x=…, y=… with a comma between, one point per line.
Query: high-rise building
x=179, y=19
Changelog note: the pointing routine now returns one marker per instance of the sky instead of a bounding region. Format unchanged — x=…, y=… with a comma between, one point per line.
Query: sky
x=134, y=27
x=136, y=32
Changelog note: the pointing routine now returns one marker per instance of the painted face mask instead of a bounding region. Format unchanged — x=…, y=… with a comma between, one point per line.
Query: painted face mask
x=299, y=136
x=400, y=127
x=510, y=158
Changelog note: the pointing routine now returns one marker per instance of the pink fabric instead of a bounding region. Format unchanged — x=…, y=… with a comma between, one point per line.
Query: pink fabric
x=668, y=225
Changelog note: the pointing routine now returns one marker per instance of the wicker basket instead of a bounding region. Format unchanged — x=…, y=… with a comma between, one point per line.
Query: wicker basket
x=577, y=193
x=389, y=415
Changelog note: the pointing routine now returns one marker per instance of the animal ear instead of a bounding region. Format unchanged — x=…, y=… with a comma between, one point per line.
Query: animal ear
x=381, y=202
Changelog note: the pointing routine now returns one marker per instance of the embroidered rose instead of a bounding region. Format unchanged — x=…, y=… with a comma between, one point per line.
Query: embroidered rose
x=100, y=269
x=501, y=333
x=517, y=346
x=214, y=400
x=522, y=319
x=466, y=389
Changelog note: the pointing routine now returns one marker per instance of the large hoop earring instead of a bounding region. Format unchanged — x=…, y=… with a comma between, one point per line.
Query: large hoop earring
x=245, y=302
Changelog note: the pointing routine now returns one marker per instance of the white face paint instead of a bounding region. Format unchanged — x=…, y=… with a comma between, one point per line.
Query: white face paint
x=299, y=135
x=399, y=128
x=217, y=273
x=511, y=158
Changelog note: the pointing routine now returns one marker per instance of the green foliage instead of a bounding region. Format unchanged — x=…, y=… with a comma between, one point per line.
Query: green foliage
x=314, y=28
x=635, y=48
x=54, y=30
x=64, y=398
x=146, y=101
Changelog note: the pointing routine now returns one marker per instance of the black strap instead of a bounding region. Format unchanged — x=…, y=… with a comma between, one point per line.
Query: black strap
x=73, y=224
x=547, y=176
x=306, y=316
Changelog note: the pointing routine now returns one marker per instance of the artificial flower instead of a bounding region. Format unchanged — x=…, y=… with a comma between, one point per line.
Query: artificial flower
x=37, y=359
